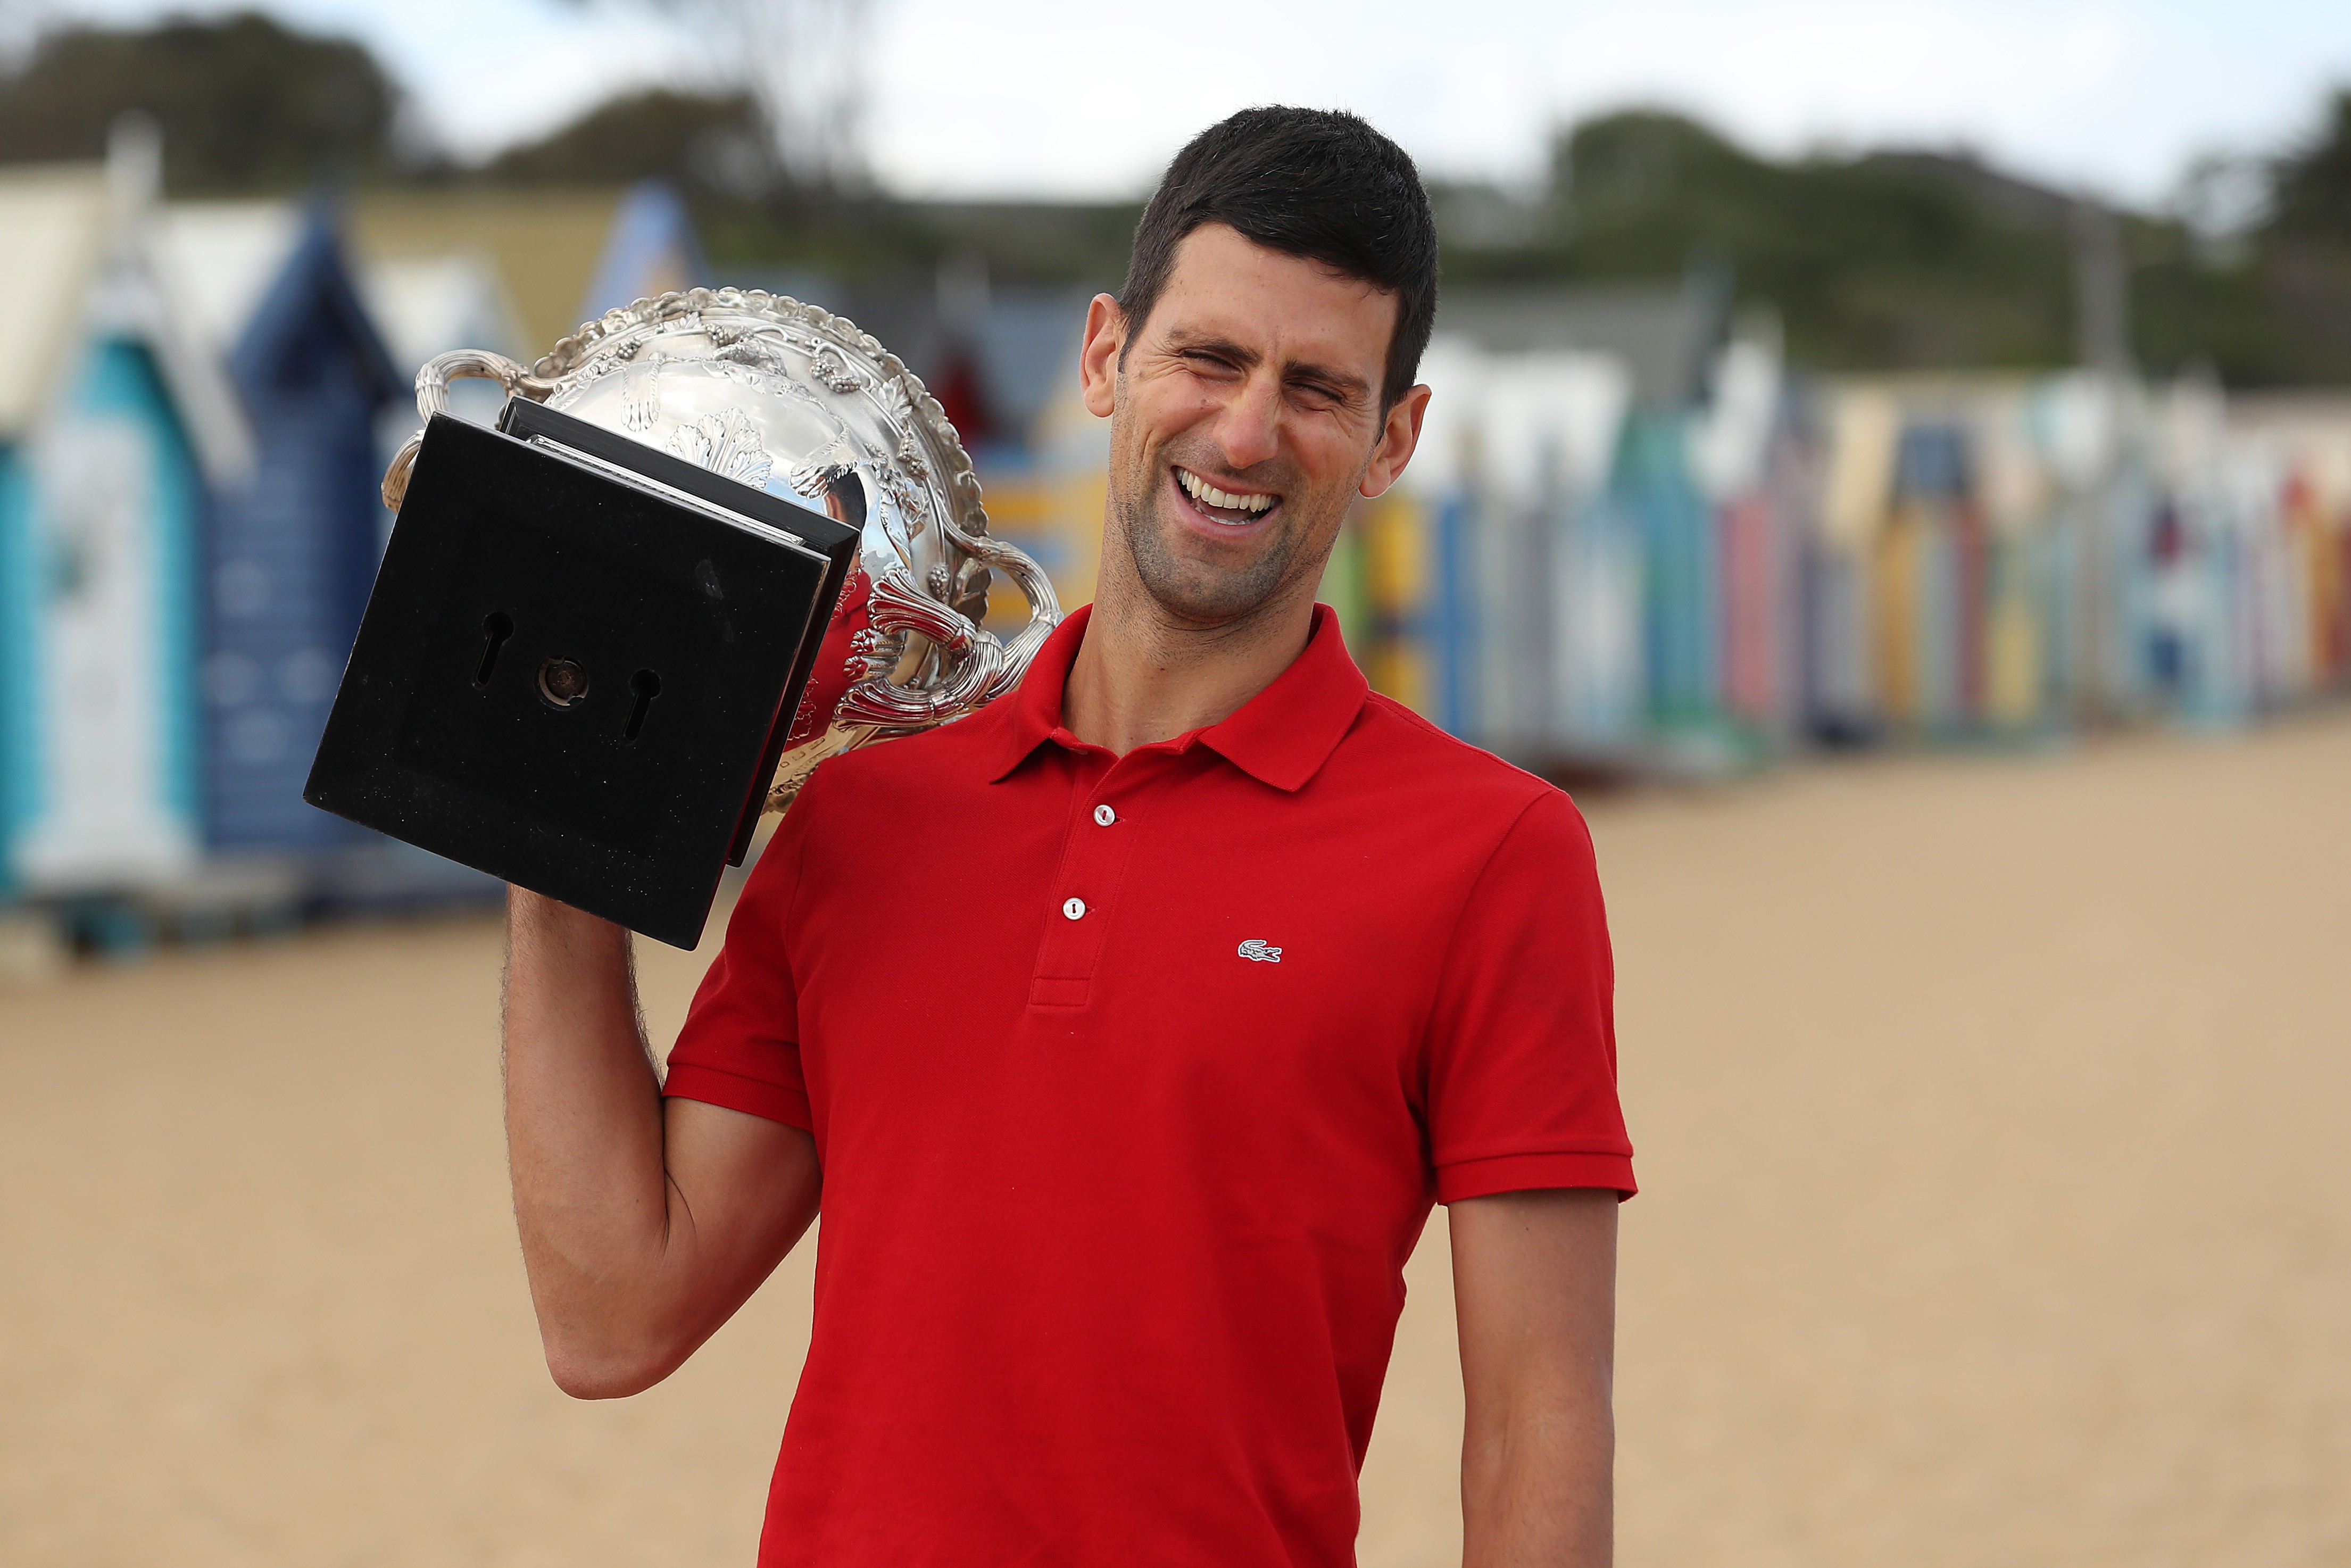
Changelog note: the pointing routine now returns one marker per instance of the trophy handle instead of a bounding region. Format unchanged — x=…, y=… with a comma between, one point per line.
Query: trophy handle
x=433, y=397
x=980, y=666
x=1044, y=605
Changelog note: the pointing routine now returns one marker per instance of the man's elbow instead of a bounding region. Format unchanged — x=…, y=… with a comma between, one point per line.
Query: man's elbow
x=609, y=1371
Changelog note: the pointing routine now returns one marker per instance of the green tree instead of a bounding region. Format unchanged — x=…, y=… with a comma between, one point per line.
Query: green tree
x=2310, y=185
x=719, y=143
x=1882, y=260
x=246, y=104
x=1889, y=260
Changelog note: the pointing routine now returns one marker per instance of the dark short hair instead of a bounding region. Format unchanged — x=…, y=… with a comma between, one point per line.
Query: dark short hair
x=1313, y=183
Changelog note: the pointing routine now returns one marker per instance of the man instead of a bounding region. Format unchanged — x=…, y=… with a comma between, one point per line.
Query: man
x=1124, y=1122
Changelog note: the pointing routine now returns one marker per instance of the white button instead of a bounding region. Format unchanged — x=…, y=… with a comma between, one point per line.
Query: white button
x=1075, y=909
x=1104, y=816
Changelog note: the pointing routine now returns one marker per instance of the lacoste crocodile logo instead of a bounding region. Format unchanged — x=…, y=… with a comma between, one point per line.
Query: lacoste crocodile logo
x=1257, y=951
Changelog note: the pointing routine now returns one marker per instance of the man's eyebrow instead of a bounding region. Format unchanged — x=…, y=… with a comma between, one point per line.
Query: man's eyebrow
x=1346, y=383
x=1180, y=341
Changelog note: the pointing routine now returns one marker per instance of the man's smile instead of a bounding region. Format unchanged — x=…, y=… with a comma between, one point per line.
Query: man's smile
x=1229, y=509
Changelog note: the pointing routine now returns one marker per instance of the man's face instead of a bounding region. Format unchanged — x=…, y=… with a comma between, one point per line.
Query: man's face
x=1245, y=417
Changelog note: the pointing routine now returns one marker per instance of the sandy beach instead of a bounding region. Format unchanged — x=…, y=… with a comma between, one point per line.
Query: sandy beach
x=1989, y=1115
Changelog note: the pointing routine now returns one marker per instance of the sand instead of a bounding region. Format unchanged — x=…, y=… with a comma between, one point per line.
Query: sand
x=1989, y=1114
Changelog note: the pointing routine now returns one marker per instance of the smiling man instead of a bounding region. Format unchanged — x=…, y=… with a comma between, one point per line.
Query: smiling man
x=1123, y=1127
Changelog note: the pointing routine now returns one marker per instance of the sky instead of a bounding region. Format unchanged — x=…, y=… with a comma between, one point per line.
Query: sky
x=1089, y=98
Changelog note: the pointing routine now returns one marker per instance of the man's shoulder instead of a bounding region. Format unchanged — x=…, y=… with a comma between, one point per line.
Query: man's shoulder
x=883, y=775
x=1437, y=814
x=1394, y=749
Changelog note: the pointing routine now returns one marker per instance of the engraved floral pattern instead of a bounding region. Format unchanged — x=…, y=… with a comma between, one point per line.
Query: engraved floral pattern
x=641, y=394
x=725, y=443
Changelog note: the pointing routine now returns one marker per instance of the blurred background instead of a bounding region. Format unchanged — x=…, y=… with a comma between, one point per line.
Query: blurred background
x=1893, y=462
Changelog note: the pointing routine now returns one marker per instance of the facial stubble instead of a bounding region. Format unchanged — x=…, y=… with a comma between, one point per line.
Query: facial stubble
x=1201, y=592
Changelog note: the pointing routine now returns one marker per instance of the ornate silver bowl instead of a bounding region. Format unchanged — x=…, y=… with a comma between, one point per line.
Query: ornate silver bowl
x=795, y=400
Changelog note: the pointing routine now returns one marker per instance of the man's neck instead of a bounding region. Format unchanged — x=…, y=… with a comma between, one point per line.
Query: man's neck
x=1142, y=676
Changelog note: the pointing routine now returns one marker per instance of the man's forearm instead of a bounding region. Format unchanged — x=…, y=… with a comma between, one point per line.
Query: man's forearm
x=1534, y=1282
x=1540, y=1494
x=644, y=1223
x=583, y=1128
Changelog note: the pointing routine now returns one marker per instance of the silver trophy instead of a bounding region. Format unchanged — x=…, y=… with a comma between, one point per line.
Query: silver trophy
x=781, y=395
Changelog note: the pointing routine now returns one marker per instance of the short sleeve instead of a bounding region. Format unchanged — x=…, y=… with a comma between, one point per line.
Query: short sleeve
x=1522, y=1049
x=740, y=1045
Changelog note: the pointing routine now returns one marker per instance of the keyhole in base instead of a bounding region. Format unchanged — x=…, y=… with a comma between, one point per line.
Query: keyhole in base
x=647, y=685
x=496, y=627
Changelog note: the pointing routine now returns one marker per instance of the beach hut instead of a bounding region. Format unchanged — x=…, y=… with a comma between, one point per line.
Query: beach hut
x=115, y=428
x=652, y=249
x=555, y=256
x=1517, y=614
x=1752, y=460
x=1594, y=547
x=2017, y=602
x=427, y=304
x=1930, y=568
x=291, y=548
x=1841, y=700
x=1013, y=353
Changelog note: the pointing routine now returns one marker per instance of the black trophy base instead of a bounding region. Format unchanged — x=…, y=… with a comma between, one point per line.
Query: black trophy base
x=574, y=680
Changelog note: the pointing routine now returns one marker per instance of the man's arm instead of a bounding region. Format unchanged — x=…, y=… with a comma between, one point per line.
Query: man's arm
x=1534, y=1286
x=644, y=1223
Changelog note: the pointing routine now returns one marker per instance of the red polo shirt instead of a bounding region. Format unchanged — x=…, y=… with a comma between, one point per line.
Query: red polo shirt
x=1134, y=1079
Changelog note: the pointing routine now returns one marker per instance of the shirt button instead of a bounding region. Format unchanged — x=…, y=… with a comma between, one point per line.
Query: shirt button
x=1104, y=816
x=1075, y=909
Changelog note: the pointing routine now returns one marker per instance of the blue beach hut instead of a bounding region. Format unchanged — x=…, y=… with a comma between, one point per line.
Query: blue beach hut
x=293, y=546
x=651, y=249
x=114, y=429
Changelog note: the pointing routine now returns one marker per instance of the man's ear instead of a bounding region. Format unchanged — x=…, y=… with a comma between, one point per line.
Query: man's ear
x=1399, y=435
x=1098, y=355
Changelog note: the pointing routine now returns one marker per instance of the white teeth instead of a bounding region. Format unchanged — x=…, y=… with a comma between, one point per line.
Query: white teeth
x=1202, y=491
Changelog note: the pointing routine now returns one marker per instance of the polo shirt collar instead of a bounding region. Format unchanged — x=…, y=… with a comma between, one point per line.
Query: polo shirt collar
x=1280, y=736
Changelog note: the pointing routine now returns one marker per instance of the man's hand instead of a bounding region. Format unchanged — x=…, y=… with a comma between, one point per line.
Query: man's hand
x=644, y=1223
x=1534, y=1286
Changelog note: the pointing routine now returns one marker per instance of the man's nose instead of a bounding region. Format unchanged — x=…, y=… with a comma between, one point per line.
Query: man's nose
x=1249, y=429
